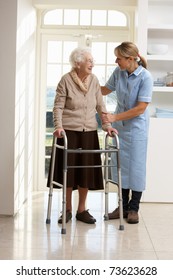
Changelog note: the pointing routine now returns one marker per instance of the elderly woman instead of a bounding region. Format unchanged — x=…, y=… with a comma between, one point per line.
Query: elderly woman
x=78, y=98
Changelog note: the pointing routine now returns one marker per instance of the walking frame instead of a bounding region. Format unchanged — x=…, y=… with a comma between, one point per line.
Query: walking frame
x=109, y=148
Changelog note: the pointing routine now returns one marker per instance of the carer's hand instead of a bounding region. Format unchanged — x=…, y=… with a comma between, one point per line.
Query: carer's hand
x=110, y=130
x=58, y=133
x=106, y=117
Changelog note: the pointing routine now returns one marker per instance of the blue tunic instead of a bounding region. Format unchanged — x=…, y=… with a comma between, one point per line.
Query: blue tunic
x=133, y=133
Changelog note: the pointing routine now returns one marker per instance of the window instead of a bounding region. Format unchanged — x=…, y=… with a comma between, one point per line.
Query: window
x=85, y=17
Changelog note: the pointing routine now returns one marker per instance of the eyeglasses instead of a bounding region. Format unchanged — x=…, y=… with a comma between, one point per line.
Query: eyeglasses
x=89, y=61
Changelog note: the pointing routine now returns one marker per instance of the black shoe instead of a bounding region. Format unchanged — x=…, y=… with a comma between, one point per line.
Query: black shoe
x=68, y=217
x=85, y=217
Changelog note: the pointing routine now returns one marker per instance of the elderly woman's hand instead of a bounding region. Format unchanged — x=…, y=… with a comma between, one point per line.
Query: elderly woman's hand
x=111, y=130
x=58, y=133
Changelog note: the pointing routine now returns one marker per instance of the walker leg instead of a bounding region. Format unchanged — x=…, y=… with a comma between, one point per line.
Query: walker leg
x=120, y=202
x=50, y=182
x=63, y=229
x=64, y=190
x=121, y=226
x=106, y=217
x=49, y=208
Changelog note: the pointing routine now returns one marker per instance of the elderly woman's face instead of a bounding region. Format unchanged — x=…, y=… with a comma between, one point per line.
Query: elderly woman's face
x=86, y=66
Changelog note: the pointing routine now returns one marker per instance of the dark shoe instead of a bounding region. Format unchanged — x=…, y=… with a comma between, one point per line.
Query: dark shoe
x=133, y=217
x=116, y=214
x=85, y=217
x=68, y=217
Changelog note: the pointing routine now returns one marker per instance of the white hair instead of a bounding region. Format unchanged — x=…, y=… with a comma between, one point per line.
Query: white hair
x=78, y=55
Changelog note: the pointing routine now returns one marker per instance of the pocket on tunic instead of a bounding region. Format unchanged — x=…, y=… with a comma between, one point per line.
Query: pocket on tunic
x=119, y=124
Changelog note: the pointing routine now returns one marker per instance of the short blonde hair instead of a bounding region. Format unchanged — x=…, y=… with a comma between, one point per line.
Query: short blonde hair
x=78, y=55
x=127, y=49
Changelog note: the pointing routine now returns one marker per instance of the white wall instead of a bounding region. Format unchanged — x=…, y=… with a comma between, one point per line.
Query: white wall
x=17, y=29
x=141, y=26
x=24, y=103
x=85, y=4
x=8, y=10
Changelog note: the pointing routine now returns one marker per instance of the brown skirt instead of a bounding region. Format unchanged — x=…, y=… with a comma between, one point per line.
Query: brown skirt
x=90, y=178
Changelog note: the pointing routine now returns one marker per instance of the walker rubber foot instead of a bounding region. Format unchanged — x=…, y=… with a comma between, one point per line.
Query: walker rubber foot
x=106, y=218
x=47, y=221
x=121, y=227
x=63, y=231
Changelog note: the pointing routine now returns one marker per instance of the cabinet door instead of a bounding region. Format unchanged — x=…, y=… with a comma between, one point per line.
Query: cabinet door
x=159, y=187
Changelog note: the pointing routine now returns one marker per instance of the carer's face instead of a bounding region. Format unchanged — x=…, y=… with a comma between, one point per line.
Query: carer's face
x=122, y=61
x=87, y=66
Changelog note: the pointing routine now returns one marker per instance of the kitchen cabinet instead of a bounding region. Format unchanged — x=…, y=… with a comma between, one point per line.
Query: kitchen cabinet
x=159, y=187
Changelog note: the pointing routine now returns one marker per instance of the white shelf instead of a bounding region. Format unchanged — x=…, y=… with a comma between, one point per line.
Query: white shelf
x=160, y=57
x=160, y=27
x=163, y=89
x=156, y=120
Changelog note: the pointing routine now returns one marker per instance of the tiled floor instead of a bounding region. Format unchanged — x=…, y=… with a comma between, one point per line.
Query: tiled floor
x=27, y=236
